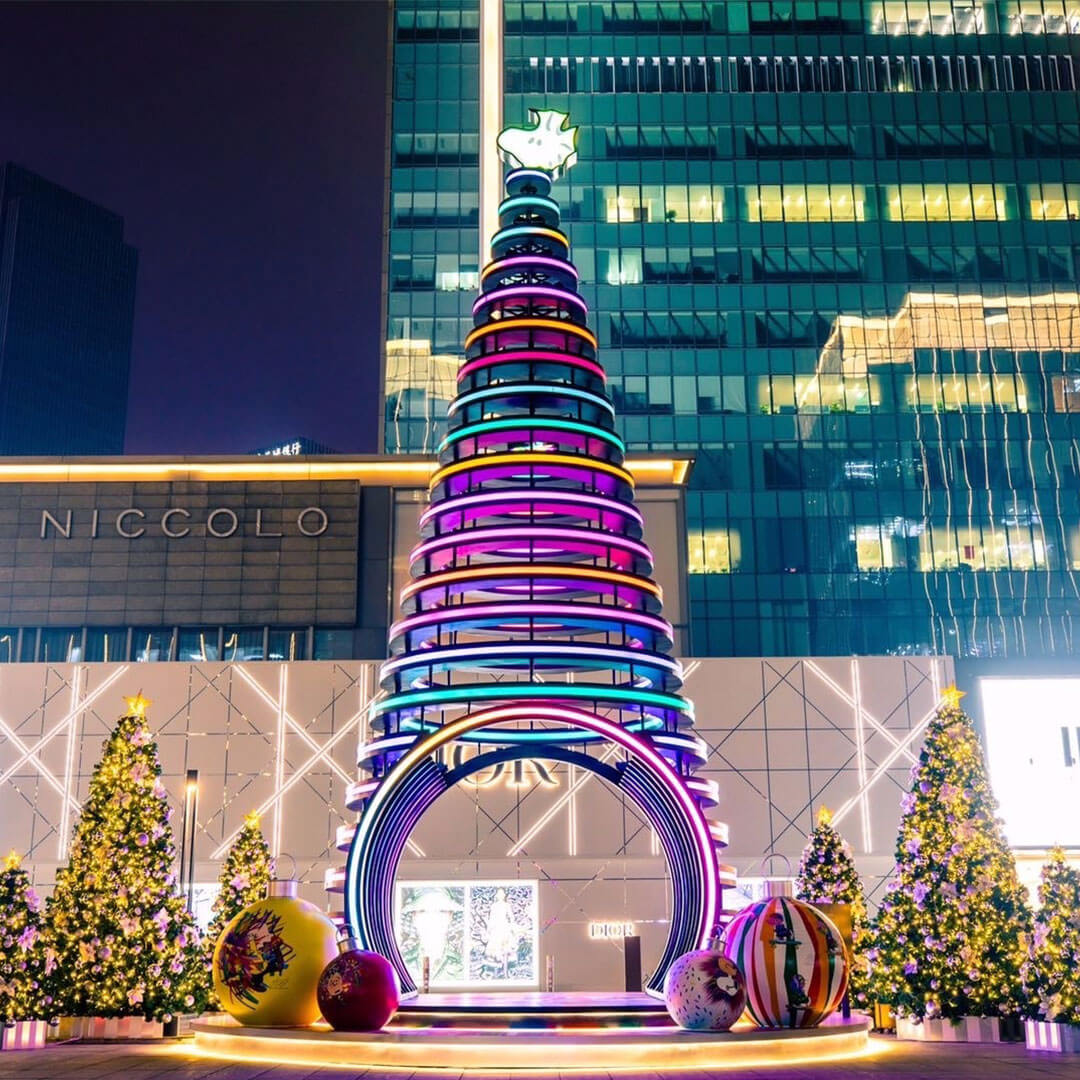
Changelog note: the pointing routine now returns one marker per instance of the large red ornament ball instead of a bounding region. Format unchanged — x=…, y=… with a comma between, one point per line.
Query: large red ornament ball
x=704, y=991
x=793, y=960
x=358, y=990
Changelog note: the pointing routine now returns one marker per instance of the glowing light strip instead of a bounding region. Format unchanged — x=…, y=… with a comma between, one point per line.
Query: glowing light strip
x=515, y=611
x=662, y=770
x=556, y=325
x=527, y=291
x=531, y=231
x=524, y=571
x=545, y=534
x=518, y=356
x=411, y=699
x=531, y=424
x=462, y=502
x=549, y=390
x=528, y=200
x=491, y=117
x=383, y=746
x=497, y=266
x=526, y=650
x=490, y=461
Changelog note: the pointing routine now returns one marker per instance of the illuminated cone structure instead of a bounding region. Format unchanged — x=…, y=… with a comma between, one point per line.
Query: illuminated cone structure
x=531, y=626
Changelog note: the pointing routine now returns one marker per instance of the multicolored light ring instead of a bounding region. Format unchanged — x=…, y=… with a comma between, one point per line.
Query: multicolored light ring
x=531, y=621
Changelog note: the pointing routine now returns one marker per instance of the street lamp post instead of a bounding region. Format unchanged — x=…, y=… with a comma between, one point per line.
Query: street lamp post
x=187, y=836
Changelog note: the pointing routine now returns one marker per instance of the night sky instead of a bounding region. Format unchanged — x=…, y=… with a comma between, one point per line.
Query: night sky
x=243, y=146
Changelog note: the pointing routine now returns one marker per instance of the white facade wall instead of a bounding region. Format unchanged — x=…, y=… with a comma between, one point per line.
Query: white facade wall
x=785, y=735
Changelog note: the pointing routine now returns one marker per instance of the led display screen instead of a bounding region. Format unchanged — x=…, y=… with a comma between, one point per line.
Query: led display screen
x=1033, y=751
x=474, y=933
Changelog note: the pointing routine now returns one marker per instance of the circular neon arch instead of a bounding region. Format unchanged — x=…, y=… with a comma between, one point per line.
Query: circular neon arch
x=416, y=782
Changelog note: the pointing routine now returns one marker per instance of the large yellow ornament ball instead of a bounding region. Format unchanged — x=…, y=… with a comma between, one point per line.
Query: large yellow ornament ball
x=268, y=960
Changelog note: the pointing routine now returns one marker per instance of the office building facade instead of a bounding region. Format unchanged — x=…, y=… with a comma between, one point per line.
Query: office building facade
x=832, y=251
x=67, y=304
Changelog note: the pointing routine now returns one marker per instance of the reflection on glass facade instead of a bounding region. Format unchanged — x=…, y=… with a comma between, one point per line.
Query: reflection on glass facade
x=833, y=252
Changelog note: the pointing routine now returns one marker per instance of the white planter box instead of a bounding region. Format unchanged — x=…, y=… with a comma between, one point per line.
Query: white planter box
x=1057, y=1038
x=23, y=1035
x=966, y=1029
x=109, y=1028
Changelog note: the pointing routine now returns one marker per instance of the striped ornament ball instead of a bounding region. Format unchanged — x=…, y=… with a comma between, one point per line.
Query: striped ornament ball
x=793, y=960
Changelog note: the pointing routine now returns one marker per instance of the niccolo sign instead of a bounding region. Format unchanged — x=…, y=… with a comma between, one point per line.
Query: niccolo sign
x=176, y=523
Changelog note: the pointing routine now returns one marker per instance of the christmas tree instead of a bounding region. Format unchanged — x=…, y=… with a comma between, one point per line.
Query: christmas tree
x=952, y=929
x=827, y=875
x=124, y=942
x=24, y=993
x=1052, y=972
x=245, y=877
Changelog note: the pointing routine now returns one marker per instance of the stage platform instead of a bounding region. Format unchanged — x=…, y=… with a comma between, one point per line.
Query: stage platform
x=567, y=1033
x=531, y=1010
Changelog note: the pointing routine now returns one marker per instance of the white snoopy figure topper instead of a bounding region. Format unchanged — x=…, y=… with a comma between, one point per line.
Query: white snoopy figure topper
x=551, y=145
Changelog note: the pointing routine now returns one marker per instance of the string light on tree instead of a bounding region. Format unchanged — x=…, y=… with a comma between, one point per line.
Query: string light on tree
x=1052, y=972
x=244, y=879
x=24, y=984
x=951, y=931
x=827, y=875
x=122, y=939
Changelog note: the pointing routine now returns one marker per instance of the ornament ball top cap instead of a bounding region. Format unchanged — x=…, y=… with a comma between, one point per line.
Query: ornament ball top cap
x=550, y=145
x=137, y=705
x=950, y=696
x=12, y=861
x=824, y=816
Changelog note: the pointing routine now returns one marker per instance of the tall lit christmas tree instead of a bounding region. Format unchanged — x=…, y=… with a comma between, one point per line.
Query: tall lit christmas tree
x=952, y=929
x=827, y=875
x=124, y=942
x=532, y=597
x=244, y=879
x=24, y=989
x=1052, y=972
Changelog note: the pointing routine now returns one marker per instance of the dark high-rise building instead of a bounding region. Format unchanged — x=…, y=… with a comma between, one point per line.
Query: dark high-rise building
x=833, y=249
x=67, y=298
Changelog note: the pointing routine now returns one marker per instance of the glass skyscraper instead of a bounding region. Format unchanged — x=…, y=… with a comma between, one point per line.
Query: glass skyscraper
x=67, y=306
x=833, y=251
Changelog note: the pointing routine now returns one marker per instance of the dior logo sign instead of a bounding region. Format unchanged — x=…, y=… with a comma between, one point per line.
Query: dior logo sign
x=176, y=523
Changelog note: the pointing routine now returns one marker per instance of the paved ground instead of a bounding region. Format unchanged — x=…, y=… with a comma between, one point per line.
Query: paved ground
x=898, y=1061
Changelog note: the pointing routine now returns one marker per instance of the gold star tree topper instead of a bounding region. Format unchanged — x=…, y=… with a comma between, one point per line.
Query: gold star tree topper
x=550, y=145
x=252, y=820
x=824, y=816
x=950, y=696
x=137, y=705
x=12, y=861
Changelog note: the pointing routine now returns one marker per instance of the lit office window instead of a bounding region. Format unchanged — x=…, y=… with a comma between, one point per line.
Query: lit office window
x=1041, y=17
x=805, y=202
x=835, y=393
x=945, y=202
x=1066, y=390
x=631, y=203
x=287, y=645
x=714, y=551
x=697, y=202
x=60, y=646
x=919, y=17
x=953, y=393
x=619, y=266
x=1054, y=202
x=992, y=548
x=874, y=547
